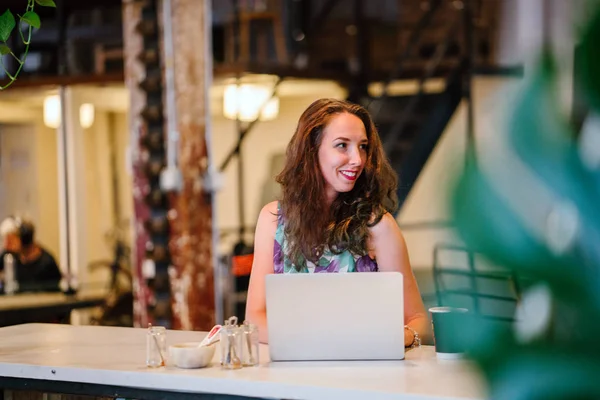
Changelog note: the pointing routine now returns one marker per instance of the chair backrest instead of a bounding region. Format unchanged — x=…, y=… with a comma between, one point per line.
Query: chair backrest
x=463, y=278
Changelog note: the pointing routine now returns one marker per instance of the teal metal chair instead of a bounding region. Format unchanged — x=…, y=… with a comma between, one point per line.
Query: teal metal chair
x=468, y=281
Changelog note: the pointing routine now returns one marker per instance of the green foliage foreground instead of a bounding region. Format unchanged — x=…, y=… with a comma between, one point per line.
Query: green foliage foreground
x=544, y=224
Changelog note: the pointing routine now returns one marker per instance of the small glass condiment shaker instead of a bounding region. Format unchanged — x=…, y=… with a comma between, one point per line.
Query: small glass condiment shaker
x=249, y=344
x=231, y=344
x=156, y=346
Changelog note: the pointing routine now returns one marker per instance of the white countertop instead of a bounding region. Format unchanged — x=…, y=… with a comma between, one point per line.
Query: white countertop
x=116, y=356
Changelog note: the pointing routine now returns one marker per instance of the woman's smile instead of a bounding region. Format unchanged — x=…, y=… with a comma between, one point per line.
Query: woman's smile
x=349, y=175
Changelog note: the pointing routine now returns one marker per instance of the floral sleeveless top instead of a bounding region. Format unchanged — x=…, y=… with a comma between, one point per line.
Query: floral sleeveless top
x=328, y=262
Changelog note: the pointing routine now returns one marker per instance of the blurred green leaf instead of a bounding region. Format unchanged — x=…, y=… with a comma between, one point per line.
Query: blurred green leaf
x=32, y=19
x=543, y=140
x=7, y=24
x=548, y=374
x=589, y=79
x=509, y=223
x=4, y=49
x=46, y=3
x=540, y=134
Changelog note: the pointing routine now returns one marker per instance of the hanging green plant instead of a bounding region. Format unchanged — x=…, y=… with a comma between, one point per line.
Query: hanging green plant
x=8, y=23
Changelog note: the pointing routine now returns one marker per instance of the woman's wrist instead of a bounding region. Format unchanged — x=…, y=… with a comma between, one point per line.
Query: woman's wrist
x=416, y=342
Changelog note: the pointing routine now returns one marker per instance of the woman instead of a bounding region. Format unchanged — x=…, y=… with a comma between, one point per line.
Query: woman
x=339, y=191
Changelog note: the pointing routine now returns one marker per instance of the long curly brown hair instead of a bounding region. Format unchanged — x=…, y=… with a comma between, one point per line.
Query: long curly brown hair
x=310, y=224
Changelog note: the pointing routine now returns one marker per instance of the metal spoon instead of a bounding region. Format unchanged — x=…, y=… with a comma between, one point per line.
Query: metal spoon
x=234, y=360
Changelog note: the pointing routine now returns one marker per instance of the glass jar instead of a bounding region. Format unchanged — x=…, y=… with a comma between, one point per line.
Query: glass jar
x=156, y=346
x=231, y=346
x=249, y=344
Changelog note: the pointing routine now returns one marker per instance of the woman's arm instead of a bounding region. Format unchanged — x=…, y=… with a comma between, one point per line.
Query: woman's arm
x=392, y=256
x=264, y=240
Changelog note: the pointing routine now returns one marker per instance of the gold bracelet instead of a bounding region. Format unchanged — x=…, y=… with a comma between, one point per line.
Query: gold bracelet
x=416, y=339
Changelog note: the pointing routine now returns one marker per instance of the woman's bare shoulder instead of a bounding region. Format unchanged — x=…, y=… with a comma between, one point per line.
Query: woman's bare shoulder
x=271, y=207
x=385, y=226
x=270, y=210
x=268, y=214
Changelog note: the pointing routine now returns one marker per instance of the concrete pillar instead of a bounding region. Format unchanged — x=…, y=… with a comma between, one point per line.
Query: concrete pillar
x=190, y=245
x=191, y=241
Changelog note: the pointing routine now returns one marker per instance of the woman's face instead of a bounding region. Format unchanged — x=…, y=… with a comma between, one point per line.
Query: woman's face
x=342, y=153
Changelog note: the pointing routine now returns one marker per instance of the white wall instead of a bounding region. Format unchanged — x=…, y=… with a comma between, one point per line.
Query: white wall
x=21, y=118
x=106, y=139
x=47, y=186
x=18, y=171
x=428, y=199
x=36, y=192
x=120, y=127
x=95, y=212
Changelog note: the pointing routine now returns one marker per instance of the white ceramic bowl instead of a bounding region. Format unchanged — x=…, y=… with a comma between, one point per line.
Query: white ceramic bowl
x=189, y=355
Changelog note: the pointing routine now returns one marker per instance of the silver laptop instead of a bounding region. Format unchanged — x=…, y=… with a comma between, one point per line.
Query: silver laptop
x=347, y=316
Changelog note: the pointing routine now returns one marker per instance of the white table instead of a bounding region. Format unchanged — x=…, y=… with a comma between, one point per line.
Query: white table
x=106, y=357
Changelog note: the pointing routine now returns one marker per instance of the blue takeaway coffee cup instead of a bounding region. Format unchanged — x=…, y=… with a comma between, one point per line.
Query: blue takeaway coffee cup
x=449, y=325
